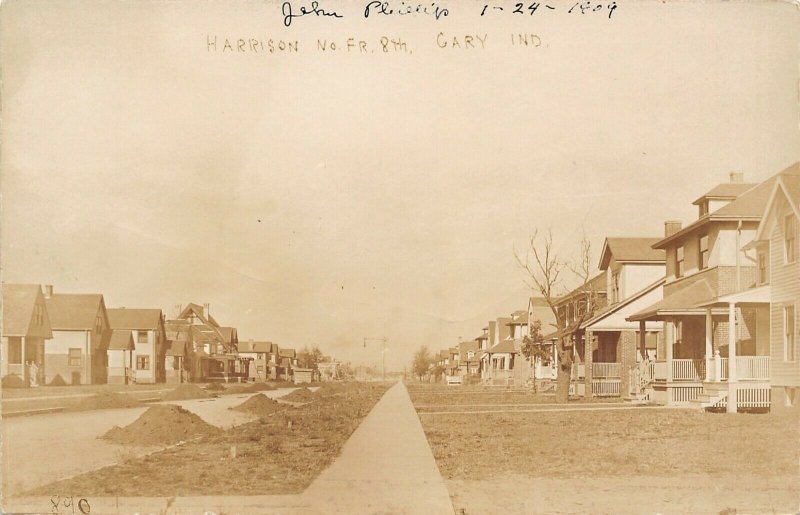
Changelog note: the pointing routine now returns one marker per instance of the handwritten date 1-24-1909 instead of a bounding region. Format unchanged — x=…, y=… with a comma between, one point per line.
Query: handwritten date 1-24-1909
x=532, y=8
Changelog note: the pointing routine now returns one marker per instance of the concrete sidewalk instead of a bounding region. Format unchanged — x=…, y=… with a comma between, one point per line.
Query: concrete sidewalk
x=385, y=467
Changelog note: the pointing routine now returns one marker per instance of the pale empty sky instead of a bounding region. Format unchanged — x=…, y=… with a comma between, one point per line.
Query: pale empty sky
x=320, y=198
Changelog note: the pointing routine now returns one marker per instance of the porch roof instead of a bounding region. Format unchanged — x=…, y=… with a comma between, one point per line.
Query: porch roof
x=506, y=346
x=760, y=295
x=683, y=301
x=121, y=339
x=614, y=308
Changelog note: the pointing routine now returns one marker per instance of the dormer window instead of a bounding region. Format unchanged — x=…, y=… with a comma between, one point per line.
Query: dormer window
x=702, y=258
x=679, y=263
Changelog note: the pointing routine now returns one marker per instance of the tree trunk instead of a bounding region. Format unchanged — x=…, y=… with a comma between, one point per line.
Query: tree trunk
x=564, y=373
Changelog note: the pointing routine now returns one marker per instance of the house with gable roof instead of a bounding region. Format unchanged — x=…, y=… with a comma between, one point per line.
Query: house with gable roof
x=264, y=359
x=634, y=274
x=214, y=354
x=777, y=244
x=77, y=353
x=26, y=328
x=716, y=320
x=179, y=356
x=121, y=362
x=146, y=327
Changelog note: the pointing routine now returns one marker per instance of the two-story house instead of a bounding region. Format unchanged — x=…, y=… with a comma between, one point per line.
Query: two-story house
x=287, y=361
x=213, y=349
x=634, y=276
x=711, y=328
x=26, y=327
x=146, y=327
x=81, y=332
x=264, y=359
x=468, y=362
x=777, y=247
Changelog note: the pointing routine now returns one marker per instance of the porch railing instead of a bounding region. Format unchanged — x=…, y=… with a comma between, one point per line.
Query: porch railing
x=748, y=368
x=752, y=367
x=606, y=387
x=688, y=369
x=605, y=370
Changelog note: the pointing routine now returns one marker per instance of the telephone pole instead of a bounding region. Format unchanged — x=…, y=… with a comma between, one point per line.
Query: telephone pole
x=383, y=356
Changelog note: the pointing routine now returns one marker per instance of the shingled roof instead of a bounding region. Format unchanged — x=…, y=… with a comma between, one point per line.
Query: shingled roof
x=631, y=250
x=121, y=339
x=73, y=311
x=128, y=318
x=19, y=301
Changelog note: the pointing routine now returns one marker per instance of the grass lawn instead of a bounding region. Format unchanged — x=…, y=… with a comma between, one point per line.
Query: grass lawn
x=276, y=454
x=672, y=460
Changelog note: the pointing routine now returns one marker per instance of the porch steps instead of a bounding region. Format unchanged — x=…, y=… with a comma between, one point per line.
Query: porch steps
x=712, y=394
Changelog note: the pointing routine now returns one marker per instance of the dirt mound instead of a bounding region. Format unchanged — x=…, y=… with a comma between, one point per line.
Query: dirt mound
x=299, y=395
x=162, y=424
x=185, y=392
x=106, y=400
x=330, y=389
x=13, y=381
x=57, y=381
x=260, y=405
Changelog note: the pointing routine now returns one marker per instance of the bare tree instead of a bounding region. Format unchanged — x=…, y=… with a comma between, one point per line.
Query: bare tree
x=544, y=269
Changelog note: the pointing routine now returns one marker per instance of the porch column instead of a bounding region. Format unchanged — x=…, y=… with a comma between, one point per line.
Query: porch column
x=554, y=360
x=709, y=344
x=25, y=374
x=669, y=329
x=732, y=400
x=588, y=360
x=643, y=340
x=626, y=357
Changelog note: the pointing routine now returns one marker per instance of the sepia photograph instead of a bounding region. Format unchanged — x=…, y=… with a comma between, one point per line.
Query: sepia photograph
x=438, y=257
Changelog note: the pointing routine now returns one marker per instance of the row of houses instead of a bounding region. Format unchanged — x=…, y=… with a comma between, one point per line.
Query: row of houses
x=73, y=338
x=703, y=315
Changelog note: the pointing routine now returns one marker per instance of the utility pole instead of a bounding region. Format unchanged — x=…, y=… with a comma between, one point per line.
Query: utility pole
x=383, y=340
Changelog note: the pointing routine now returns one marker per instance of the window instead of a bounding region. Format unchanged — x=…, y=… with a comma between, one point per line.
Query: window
x=15, y=350
x=788, y=333
x=702, y=258
x=790, y=239
x=615, y=297
x=141, y=336
x=74, y=357
x=679, y=262
x=98, y=322
x=763, y=268
x=142, y=362
x=260, y=355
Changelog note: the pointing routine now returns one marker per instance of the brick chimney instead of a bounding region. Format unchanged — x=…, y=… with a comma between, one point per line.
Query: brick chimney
x=671, y=227
x=48, y=291
x=736, y=177
x=206, y=309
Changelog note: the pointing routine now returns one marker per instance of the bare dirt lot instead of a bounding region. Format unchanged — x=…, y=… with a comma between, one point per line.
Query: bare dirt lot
x=279, y=453
x=613, y=461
